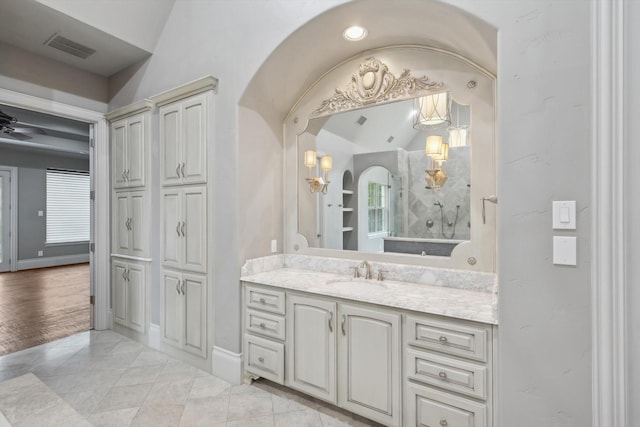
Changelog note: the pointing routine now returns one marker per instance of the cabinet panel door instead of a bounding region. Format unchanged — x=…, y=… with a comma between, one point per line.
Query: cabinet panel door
x=136, y=297
x=170, y=157
x=194, y=132
x=172, y=311
x=135, y=171
x=139, y=222
x=171, y=224
x=118, y=277
x=194, y=214
x=311, y=346
x=118, y=153
x=369, y=363
x=195, y=314
x=121, y=233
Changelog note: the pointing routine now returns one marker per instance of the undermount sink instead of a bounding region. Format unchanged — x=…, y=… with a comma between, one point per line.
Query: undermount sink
x=356, y=283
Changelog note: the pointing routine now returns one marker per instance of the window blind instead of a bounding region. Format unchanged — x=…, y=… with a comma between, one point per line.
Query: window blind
x=68, y=206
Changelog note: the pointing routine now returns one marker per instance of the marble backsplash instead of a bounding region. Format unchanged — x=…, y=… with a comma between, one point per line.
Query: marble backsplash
x=460, y=279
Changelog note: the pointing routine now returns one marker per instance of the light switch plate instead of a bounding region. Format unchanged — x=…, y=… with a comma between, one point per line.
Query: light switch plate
x=564, y=250
x=564, y=215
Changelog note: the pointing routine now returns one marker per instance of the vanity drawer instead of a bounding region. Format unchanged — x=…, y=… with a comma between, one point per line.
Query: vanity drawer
x=464, y=340
x=264, y=299
x=431, y=408
x=447, y=373
x=264, y=358
x=266, y=324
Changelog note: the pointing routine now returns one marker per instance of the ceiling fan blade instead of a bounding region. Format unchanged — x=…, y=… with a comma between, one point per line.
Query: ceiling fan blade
x=18, y=128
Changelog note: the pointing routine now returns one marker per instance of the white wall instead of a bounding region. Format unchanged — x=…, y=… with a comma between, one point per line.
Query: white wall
x=120, y=18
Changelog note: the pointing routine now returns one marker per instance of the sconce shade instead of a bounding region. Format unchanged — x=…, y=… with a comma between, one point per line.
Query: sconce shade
x=457, y=137
x=433, y=145
x=444, y=153
x=432, y=111
x=326, y=163
x=310, y=159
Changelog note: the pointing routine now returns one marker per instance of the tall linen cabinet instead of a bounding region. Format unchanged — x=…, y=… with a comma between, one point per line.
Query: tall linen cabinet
x=184, y=130
x=130, y=209
x=161, y=209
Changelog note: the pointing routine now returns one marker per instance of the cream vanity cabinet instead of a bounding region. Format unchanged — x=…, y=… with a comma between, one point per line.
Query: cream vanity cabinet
x=130, y=223
x=129, y=290
x=183, y=132
x=184, y=228
x=448, y=368
x=184, y=298
x=129, y=136
x=393, y=366
x=347, y=354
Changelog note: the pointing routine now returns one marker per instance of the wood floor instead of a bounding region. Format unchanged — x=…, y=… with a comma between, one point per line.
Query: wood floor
x=42, y=305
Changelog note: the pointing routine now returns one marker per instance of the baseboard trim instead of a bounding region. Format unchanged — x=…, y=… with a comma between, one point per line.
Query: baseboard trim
x=52, y=261
x=227, y=365
x=154, y=336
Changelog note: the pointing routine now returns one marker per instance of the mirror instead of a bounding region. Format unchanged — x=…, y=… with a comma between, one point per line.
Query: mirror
x=377, y=200
x=370, y=186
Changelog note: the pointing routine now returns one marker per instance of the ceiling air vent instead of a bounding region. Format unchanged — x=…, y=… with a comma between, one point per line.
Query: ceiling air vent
x=69, y=46
x=361, y=120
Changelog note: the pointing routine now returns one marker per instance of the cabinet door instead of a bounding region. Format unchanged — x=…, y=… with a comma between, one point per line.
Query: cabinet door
x=136, y=297
x=135, y=151
x=119, y=280
x=369, y=363
x=194, y=229
x=194, y=142
x=195, y=313
x=311, y=346
x=170, y=157
x=171, y=223
x=118, y=153
x=138, y=224
x=172, y=308
x=121, y=224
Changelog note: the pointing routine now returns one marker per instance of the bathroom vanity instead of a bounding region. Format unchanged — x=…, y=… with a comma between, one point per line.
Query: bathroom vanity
x=397, y=352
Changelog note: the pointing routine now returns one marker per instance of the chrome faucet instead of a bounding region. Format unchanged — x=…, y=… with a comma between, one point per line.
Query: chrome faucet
x=367, y=269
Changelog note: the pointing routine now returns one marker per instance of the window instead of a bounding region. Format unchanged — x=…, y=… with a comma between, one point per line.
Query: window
x=68, y=206
x=377, y=204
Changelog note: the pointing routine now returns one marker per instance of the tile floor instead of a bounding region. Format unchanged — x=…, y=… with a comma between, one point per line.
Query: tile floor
x=111, y=380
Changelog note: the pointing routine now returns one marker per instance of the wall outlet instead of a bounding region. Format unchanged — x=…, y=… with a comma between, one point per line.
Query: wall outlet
x=40, y=253
x=274, y=246
x=40, y=213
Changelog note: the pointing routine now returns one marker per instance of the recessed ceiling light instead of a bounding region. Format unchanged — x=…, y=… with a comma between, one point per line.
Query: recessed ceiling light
x=355, y=33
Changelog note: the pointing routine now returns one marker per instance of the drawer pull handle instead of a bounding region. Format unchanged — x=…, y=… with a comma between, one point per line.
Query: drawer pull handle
x=443, y=340
x=263, y=326
x=344, y=325
x=331, y=321
x=263, y=301
x=444, y=423
x=261, y=359
x=442, y=374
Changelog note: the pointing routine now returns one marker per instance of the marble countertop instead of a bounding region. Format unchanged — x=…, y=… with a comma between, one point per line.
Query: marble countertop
x=465, y=304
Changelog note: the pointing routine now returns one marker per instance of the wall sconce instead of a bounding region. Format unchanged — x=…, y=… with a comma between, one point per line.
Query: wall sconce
x=318, y=183
x=432, y=111
x=437, y=152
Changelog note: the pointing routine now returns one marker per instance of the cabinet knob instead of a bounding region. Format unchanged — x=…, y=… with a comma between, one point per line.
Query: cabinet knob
x=442, y=374
x=263, y=326
x=444, y=422
x=443, y=339
x=263, y=301
x=261, y=359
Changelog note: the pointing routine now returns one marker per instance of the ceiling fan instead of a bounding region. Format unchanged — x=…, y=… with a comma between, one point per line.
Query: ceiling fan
x=10, y=126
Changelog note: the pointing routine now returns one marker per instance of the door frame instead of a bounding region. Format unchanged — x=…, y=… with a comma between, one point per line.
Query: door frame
x=13, y=218
x=100, y=176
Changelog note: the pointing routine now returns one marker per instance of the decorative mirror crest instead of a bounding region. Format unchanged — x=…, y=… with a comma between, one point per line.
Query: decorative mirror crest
x=373, y=83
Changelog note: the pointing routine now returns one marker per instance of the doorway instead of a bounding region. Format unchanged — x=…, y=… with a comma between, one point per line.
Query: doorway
x=5, y=220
